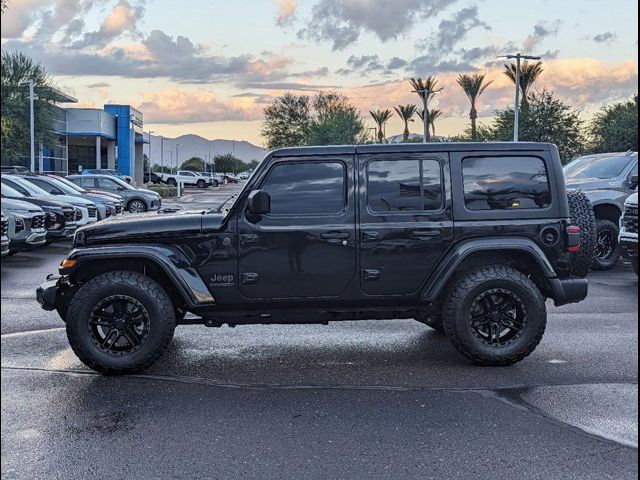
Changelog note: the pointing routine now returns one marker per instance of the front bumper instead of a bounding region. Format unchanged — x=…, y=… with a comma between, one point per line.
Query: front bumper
x=569, y=290
x=155, y=204
x=62, y=233
x=47, y=292
x=629, y=246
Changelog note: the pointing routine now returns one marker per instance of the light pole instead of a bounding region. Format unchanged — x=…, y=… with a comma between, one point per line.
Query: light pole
x=516, y=108
x=425, y=94
x=32, y=129
x=178, y=145
x=150, y=132
x=162, y=155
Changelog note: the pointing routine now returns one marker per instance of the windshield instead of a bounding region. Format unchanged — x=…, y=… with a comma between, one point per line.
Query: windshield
x=7, y=191
x=597, y=167
x=29, y=187
x=77, y=188
x=60, y=185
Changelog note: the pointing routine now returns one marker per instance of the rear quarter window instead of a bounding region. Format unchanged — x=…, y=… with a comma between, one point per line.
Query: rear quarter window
x=505, y=183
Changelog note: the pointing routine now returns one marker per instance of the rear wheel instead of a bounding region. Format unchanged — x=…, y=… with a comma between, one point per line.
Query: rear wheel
x=494, y=315
x=120, y=322
x=607, y=250
x=136, y=206
x=201, y=184
x=582, y=216
x=172, y=182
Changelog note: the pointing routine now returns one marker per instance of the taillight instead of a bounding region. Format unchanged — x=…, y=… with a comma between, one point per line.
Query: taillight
x=573, y=239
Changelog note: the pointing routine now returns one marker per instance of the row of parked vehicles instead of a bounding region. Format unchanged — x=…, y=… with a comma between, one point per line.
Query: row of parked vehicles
x=44, y=208
x=187, y=178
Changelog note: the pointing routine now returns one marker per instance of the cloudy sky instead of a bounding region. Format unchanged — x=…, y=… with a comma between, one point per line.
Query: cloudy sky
x=209, y=67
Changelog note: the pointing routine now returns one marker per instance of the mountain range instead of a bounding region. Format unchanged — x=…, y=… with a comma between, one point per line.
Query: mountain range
x=197, y=146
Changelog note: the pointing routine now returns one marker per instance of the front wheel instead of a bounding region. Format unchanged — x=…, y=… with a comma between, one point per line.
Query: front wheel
x=607, y=252
x=137, y=206
x=120, y=322
x=494, y=315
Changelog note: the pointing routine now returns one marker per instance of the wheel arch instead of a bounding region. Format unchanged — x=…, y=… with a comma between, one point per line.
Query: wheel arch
x=165, y=265
x=607, y=211
x=519, y=253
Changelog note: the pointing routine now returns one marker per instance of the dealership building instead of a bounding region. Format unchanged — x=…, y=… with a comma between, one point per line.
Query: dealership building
x=87, y=138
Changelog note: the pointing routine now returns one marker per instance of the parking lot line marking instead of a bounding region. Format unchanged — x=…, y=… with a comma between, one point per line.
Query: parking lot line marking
x=30, y=332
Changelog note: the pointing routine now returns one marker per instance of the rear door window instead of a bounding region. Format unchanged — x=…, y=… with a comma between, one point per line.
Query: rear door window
x=404, y=185
x=505, y=183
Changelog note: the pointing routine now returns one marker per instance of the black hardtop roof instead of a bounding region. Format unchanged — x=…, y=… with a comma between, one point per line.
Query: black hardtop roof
x=413, y=147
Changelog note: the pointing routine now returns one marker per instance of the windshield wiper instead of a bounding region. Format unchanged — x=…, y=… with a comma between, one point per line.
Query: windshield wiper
x=219, y=209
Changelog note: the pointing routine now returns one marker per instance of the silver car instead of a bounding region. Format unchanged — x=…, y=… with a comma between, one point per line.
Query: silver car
x=26, y=226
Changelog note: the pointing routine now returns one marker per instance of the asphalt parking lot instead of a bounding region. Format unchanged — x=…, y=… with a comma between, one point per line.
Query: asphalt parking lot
x=370, y=399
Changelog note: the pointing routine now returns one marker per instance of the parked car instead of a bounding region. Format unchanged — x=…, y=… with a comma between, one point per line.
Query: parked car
x=152, y=178
x=107, y=171
x=27, y=226
x=629, y=231
x=136, y=200
x=244, y=175
x=114, y=201
x=4, y=229
x=483, y=234
x=60, y=217
x=105, y=205
x=88, y=211
x=187, y=179
x=214, y=179
x=229, y=178
x=607, y=180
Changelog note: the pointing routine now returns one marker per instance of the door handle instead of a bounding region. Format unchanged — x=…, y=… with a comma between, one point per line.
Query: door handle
x=370, y=236
x=422, y=234
x=335, y=236
x=247, y=238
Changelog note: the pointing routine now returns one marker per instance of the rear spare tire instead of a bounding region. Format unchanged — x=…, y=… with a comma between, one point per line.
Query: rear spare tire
x=582, y=216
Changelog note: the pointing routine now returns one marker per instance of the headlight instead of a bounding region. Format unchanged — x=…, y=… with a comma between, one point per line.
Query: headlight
x=19, y=224
x=52, y=216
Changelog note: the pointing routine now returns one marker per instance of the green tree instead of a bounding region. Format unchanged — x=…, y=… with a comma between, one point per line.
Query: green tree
x=228, y=162
x=335, y=122
x=381, y=117
x=194, y=164
x=615, y=128
x=15, y=69
x=406, y=112
x=433, y=115
x=426, y=89
x=529, y=73
x=473, y=86
x=286, y=121
x=546, y=120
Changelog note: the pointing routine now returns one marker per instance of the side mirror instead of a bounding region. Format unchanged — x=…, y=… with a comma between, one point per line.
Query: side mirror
x=120, y=188
x=633, y=180
x=259, y=202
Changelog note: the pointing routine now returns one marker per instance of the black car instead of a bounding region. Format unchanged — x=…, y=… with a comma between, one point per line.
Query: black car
x=60, y=217
x=469, y=238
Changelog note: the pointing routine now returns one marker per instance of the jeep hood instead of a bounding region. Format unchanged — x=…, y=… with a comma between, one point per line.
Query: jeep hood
x=150, y=227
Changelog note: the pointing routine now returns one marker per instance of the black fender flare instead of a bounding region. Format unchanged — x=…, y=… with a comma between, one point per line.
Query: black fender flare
x=449, y=264
x=172, y=261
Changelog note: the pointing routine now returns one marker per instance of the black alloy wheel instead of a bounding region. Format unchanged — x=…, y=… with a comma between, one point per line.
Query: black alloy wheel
x=119, y=325
x=497, y=316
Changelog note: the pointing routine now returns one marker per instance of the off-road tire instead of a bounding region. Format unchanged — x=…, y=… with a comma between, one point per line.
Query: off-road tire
x=138, y=286
x=433, y=321
x=455, y=315
x=582, y=216
x=609, y=262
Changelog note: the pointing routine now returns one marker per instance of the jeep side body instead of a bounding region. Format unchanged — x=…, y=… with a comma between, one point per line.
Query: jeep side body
x=468, y=238
x=607, y=179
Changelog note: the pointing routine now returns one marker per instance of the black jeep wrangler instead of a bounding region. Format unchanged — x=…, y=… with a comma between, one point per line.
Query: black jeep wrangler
x=468, y=238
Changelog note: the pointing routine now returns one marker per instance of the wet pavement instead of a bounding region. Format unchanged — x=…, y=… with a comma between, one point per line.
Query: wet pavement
x=370, y=399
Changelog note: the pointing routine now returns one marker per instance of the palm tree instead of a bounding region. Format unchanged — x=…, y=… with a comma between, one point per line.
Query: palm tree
x=405, y=112
x=529, y=73
x=426, y=89
x=432, y=115
x=473, y=86
x=381, y=117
